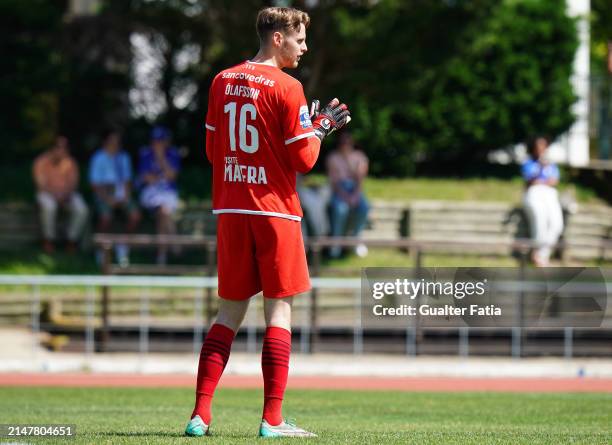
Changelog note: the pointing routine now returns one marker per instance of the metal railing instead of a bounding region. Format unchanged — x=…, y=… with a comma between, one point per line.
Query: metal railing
x=315, y=246
x=308, y=331
x=94, y=283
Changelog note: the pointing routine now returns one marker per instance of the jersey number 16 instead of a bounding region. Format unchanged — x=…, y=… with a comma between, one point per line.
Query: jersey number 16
x=247, y=111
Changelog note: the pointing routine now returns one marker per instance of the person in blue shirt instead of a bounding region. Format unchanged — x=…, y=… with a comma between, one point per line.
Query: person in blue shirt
x=158, y=167
x=110, y=176
x=541, y=201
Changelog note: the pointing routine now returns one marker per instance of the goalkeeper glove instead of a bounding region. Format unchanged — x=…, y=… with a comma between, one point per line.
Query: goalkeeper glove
x=334, y=116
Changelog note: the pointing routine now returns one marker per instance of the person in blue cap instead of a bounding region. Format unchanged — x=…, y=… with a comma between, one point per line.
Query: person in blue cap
x=158, y=168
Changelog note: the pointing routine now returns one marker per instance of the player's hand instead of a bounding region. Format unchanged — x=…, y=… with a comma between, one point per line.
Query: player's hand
x=334, y=116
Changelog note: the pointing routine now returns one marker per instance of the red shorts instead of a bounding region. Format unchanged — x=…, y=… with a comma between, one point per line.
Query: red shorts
x=256, y=253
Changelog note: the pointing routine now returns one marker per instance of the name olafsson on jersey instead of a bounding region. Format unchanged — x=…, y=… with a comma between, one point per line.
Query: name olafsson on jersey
x=242, y=91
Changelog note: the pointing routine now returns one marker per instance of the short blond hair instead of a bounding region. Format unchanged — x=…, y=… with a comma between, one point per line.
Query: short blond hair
x=274, y=19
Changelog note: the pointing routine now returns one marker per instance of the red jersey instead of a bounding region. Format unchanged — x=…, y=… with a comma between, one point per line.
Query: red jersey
x=259, y=135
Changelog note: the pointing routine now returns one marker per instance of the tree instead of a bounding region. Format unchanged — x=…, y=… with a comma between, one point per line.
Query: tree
x=96, y=57
x=425, y=79
x=192, y=41
x=601, y=34
x=30, y=75
x=455, y=79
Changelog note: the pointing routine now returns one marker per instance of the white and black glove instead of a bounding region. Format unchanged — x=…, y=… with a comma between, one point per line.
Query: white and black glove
x=333, y=117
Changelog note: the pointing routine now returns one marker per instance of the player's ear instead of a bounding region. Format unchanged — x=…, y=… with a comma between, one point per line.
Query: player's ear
x=277, y=38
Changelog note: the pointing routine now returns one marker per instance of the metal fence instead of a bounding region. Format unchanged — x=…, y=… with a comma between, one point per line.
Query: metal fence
x=308, y=331
x=95, y=285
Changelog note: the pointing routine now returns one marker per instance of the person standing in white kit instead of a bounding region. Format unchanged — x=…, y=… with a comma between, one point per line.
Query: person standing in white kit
x=542, y=201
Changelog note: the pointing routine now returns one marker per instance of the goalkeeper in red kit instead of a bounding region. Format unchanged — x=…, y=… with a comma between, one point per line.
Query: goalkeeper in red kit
x=259, y=134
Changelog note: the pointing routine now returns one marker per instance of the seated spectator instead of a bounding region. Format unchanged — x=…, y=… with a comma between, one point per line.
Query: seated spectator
x=314, y=202
x=542, y=201
x=56, y=175
x=110, y=175
x=346, y=168
x=158, y=167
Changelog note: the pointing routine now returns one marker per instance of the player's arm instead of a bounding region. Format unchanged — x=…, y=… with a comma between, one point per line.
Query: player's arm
x=301, y=141
x=302, y=136
x=210, y=141
x=306, y=151
x=334, y=116
x=211, y=125
x=304, y=154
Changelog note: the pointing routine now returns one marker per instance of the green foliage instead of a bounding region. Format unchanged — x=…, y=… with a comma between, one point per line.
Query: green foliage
x=96, y=57
x=222, y=32
x=455, y=79
x=425, y=79
x=30, y=74
x=601, y=34
x=61, y=73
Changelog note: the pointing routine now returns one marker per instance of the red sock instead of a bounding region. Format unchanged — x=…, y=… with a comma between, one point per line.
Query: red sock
x=275, y=366
x=213, y=358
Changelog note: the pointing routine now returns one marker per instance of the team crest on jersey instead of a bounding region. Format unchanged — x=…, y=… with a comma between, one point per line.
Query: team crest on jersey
x=304, y=117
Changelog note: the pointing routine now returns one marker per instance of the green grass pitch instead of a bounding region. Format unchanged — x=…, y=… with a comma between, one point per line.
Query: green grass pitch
x=158, y=416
